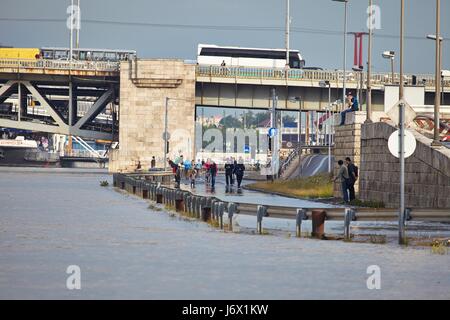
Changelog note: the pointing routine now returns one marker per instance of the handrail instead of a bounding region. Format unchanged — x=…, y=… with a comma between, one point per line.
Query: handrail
x=306, y=75
x=110, y=66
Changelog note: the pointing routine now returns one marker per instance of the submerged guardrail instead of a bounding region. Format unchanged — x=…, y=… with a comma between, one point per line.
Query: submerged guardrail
x=209, y=208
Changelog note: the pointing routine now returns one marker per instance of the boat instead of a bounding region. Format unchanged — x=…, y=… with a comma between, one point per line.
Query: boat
x=22, y=152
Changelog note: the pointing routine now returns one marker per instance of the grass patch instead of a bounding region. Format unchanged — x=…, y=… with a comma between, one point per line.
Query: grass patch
x=367, y=204
x=378, y=239
x=104, y=183
x=439, y=247
x=318, y=186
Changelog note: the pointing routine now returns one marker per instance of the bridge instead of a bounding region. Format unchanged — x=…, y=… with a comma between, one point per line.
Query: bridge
x=49, y=96
x=81, y=98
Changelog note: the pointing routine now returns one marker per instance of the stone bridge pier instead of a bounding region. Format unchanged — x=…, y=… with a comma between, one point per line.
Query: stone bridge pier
x=144, y=86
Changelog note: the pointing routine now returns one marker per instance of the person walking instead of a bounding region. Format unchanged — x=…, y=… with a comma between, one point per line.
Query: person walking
x=353, y=176
x=178, y=176
x=206, y=167
x=229, y=170
x=153, y=163
x=343, y=178
x=213, y=173
x=239, y=172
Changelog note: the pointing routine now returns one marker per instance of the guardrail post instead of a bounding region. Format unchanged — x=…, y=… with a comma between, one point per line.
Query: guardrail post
x=261, y=211
x=231, y=211
x=301, y=215
x=159, y=195
x=206, y=209
x=221, y=210
x=349, y=216
x=408, y=214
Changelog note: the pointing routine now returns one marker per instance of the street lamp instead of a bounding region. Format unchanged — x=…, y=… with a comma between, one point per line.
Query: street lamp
x=325, y=84
x=391, y=56
x=299, y=118
x=433, y=37
x=345, y=47
x=437, y=85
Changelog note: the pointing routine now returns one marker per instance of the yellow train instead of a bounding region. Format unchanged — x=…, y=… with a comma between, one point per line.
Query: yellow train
x=64, y=53
x=19, y=53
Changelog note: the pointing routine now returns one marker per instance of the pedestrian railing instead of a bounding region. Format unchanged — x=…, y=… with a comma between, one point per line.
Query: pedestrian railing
x=26, y=64
x=212, y=209
x=309, y=75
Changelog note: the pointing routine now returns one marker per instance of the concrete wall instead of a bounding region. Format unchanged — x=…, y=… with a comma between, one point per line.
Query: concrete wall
x=427, y=171
x=143, y=88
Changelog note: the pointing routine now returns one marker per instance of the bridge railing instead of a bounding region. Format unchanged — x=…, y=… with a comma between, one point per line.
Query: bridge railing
x=308, y=75
x=24, y=64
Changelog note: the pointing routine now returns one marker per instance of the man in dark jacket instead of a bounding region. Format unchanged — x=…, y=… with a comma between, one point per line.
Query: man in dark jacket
x=213, y=173
x=229, y=170
x=239, y=172
x=353, y=176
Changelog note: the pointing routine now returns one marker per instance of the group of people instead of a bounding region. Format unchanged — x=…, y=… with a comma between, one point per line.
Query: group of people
x=233, y=169
x=347, y=176
x=191, y=170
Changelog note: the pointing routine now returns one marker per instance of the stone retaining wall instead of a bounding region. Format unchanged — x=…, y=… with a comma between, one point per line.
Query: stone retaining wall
x=427, y=171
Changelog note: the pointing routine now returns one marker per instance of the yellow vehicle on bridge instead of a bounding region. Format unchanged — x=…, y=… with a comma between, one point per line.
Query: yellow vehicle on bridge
x=19, y=53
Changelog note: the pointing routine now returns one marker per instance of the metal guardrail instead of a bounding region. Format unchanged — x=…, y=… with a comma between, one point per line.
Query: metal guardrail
x=213, y=209
x=308, y=75
x=24, y=64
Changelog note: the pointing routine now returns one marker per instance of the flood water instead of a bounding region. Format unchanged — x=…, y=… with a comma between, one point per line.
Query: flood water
x=51, y=219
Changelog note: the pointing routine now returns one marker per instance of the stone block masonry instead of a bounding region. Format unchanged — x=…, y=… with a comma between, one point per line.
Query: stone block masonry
x=144, y=85
x=347, y=143
x=427, y=171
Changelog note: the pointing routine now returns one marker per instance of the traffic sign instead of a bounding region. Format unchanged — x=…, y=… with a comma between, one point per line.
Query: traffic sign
x=166, y=134
x=410, y=143
x=272, y=132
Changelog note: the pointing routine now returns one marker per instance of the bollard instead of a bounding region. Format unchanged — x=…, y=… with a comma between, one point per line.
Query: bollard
x=231, y=211
x=318, y=223
x=349, y=216
x=301, y=215
x=261, y=211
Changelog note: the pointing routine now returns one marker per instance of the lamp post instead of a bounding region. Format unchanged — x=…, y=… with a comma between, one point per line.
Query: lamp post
x=369, y=69
x=325, y=84
x=391, y=56
x=438, y=80
x=299, y=117
x=345, y=48
x=401, y=149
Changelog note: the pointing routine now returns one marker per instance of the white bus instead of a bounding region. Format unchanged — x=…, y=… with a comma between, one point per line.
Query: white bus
x=248, y=57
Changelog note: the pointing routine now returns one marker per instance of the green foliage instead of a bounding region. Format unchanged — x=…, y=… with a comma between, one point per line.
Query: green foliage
x=318, y=186
x=104, y=183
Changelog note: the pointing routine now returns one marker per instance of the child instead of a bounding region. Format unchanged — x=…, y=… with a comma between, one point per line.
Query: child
x=192, y=175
